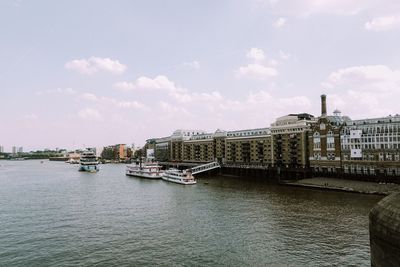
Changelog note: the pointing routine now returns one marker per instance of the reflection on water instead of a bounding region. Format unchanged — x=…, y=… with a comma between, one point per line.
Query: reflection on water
x=52, y=214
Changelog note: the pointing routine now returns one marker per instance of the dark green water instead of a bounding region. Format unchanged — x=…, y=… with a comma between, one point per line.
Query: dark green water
x=53, y=215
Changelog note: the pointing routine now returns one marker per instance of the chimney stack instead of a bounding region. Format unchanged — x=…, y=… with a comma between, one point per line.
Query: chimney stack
x=323, y=105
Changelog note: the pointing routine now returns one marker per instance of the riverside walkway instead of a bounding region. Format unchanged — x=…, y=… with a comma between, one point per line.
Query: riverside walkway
x=346, y=185
x=205, y=167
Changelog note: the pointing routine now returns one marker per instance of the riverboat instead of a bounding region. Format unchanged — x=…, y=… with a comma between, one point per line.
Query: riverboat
x=88, y=162
x=180, y=177
x=150, y=170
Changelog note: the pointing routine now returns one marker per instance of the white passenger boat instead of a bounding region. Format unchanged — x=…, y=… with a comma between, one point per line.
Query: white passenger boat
x=180, y=177
x=149, y=170
x=72, y=161
x=88, y=162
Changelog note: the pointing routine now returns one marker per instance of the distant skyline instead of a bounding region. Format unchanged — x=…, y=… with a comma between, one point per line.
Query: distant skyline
x=96, y=73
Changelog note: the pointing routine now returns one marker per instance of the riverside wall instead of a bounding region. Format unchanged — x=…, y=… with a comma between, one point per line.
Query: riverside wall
x=272, y=174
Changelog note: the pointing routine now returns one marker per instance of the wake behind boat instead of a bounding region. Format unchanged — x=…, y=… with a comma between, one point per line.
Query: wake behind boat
x=88, y=162
x=149, y=170
x=180, y=177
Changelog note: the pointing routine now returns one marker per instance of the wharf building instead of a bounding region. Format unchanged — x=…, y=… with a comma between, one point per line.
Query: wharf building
x=290, y=140
x=368, y=148
x=325, y=142
x=371, y=147
x=330, y=145
x=284, y=144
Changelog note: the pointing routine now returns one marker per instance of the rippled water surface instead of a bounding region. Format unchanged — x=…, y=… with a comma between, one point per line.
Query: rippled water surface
x=53, y=215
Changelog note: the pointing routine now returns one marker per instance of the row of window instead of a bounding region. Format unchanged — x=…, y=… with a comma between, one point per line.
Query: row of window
x=330, y=133
x=371, y=139
x=375, y=129
x=371, y=146
x=329, y=156
x=373, y=157
x=330, y=142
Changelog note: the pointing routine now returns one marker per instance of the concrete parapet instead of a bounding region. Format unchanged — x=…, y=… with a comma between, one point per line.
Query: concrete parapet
x=384, y=229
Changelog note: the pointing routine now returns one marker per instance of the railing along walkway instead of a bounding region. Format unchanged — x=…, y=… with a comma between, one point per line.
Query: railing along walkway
x=205, y=167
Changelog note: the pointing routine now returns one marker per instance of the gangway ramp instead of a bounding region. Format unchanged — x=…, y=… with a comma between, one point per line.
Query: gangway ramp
x=205, y=167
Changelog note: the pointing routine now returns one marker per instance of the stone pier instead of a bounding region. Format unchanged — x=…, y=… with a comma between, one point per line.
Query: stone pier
x=384, y=229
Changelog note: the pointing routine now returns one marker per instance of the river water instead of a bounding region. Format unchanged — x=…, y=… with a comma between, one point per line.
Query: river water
x=53, y=215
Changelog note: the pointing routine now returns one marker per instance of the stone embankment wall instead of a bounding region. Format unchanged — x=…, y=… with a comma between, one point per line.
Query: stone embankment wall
x=384, y=228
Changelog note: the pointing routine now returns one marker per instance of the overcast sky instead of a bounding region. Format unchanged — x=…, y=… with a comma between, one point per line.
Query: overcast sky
x=94, y=73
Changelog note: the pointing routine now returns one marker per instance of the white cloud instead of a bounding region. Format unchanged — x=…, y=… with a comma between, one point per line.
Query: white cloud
x=31, y=116
x=273, y=63
x=378, y=78
x=255, y=54
x=257, y=71
x=107, y=102
x=330, y=7
x=95, y=64
x=65, y=91
x=193, y=65
x=160, y=82
x=90, y=114
x=383, y=23
x=264, y=98
x=124, y=86
x=143, y=82
x=279, y=23
x=173, y=110
x=89, y=96
x=130, y=104
x=365, y=91
x=283, y=55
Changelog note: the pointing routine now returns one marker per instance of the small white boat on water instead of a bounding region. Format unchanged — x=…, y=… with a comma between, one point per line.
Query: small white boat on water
x=150, y=170
x=180, y=177
x=88, y=162
x=72, y=161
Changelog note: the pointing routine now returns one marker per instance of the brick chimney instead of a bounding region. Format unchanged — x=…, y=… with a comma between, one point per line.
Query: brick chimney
x=323, y=105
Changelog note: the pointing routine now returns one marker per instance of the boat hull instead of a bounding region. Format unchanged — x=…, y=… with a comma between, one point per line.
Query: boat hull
x=178, y=180
x=88, y=168
x=143, y=175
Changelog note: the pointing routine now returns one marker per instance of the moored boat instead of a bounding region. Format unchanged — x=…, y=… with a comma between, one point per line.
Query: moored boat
x=180, y=177
x=149, y=170
x=88, y=162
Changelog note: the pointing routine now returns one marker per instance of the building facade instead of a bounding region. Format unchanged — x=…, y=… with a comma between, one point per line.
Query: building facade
x=290, y=140
x=368, y=149
x=199, y=148
x=162, y=149
x=176, y=147
x=325, y=143
x=330, y=145
x=371, y=147
x=250, y=147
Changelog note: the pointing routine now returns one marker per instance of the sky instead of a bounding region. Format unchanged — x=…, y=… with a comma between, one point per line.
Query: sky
x=77, y=74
